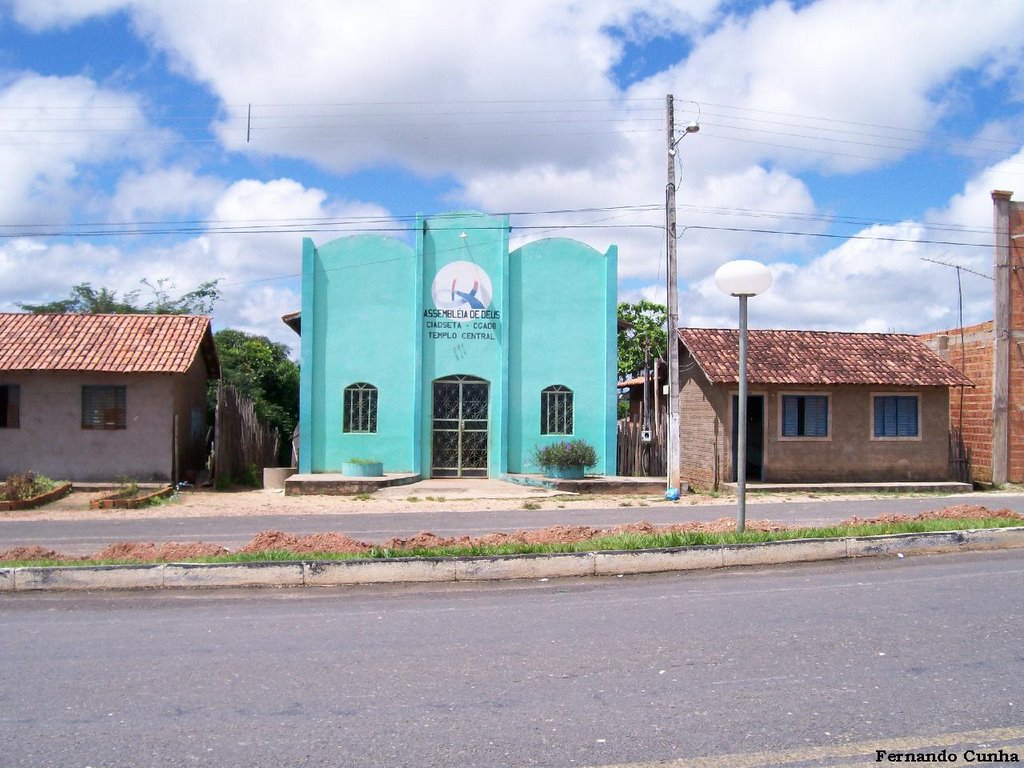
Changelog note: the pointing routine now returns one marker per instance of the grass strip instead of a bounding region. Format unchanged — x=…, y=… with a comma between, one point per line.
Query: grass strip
x=626, y=542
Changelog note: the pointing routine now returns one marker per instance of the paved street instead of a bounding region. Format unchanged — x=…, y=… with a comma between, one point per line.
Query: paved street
x=86, y=536
x=816, y=664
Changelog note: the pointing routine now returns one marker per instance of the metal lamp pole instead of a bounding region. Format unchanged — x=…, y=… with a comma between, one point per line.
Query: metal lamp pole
x=741, y=423
x=742, y=279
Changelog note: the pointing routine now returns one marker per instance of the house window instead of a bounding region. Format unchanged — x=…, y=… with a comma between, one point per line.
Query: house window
x=895, y=416
x=103, y=407
x=10, y=406
x=360, y=408
x=556, y=411
x=805, y=415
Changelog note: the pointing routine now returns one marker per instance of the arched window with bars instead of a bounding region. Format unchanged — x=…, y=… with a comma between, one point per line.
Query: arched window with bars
x=556, y=408
x=360, y=413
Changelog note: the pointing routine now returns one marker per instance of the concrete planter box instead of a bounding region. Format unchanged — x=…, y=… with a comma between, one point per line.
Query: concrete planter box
x=359, y=469
x=274, y=477
x=36, y=501
x=564, y=473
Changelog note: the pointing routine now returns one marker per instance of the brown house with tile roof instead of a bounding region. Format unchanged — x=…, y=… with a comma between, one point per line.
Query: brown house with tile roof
x=100, y=397
x=823, y=407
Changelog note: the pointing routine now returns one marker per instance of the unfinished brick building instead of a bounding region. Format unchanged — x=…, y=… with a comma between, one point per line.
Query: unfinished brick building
x=991, y=415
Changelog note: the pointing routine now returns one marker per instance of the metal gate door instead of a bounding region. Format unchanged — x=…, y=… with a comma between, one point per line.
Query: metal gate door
x=460, y=427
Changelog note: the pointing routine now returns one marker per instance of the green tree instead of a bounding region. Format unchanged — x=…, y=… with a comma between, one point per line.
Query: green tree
x=262, y=371
x=84, y=299
x=648, y=323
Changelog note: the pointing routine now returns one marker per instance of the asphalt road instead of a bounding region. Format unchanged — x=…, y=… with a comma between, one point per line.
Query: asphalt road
x=86, y=536
x=817, y=664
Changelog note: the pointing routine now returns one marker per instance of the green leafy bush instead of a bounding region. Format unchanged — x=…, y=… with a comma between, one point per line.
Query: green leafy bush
x=250, y=476
x=26, y=485
x=565, y=454
x=362, y=461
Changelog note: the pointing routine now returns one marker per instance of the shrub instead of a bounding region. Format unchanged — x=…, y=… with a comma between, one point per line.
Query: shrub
x=362, y=461
x=564, y=454
x=250, y=476
x=128, y=487
x=26, y=485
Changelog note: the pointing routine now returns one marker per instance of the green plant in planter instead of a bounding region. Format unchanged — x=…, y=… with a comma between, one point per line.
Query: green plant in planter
x=362, y=461
x=26, y=485
x=128, y=487
x=572, y=456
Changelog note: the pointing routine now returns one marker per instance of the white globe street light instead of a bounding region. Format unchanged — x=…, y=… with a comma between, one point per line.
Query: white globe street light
x=742, y=278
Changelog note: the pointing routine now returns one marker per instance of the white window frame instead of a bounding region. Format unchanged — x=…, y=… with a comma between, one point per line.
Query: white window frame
x=895, y=438
x=804, y=438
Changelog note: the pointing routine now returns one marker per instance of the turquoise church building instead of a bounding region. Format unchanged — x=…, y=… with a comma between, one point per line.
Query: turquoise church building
x=455, y=357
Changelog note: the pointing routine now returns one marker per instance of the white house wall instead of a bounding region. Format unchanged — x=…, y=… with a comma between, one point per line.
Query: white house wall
x=51, y=441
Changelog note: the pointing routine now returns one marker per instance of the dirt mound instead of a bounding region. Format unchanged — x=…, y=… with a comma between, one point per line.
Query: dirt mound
x=269, y=541
x=158, y=553
x=35, y=552
x=721, y=525
x=956, y=512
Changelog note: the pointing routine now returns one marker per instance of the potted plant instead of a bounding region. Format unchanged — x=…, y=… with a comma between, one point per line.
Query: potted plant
x=362, y=468
x=567, y=459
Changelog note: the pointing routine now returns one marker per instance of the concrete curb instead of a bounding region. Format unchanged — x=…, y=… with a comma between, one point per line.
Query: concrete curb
x=422, y=570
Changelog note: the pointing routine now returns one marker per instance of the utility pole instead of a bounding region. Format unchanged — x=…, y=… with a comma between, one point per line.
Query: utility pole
x=672, y=428
x=672, y=451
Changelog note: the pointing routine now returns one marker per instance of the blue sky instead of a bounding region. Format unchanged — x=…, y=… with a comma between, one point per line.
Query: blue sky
x=842, y=142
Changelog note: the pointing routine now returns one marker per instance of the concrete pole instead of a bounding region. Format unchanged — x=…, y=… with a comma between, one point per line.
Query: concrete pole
x=672, y=427
x=1001, y=352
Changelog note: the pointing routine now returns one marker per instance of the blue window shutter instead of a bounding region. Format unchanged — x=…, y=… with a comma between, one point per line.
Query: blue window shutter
x=896, y=416
x=906, y=418
x=790, y=415
x=880, y=416
x=816, y=416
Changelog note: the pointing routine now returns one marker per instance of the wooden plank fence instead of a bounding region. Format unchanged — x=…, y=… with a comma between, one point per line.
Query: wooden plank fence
x=637, y=458
x=959, y=458
x=241, y=439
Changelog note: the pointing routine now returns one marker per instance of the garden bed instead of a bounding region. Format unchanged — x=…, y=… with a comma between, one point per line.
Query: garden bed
x=132, y=500
x=35, y=501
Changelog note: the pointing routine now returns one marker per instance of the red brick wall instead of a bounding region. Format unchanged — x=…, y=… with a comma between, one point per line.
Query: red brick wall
x=976, y=360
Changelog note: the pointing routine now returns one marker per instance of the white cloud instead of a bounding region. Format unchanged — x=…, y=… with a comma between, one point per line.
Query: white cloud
x=54, y=128
x=42, y=14
x=434, y=87
x=258, y=273
x=462, y=89
x=786, y=73
x=163, y=192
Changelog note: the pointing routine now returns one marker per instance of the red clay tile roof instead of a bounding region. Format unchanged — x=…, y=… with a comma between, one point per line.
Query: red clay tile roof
x=107, y=343
x=820, y=357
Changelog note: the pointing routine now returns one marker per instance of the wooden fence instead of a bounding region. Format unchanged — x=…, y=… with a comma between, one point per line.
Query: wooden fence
x=959, y=458
x=637, y=458
x=241, y=440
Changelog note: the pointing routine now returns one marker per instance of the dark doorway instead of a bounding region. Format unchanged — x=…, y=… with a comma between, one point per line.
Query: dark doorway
x=755, y=436
x=459, y=440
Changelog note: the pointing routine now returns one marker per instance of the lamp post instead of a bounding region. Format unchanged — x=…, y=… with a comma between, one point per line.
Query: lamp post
x=742, y=279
